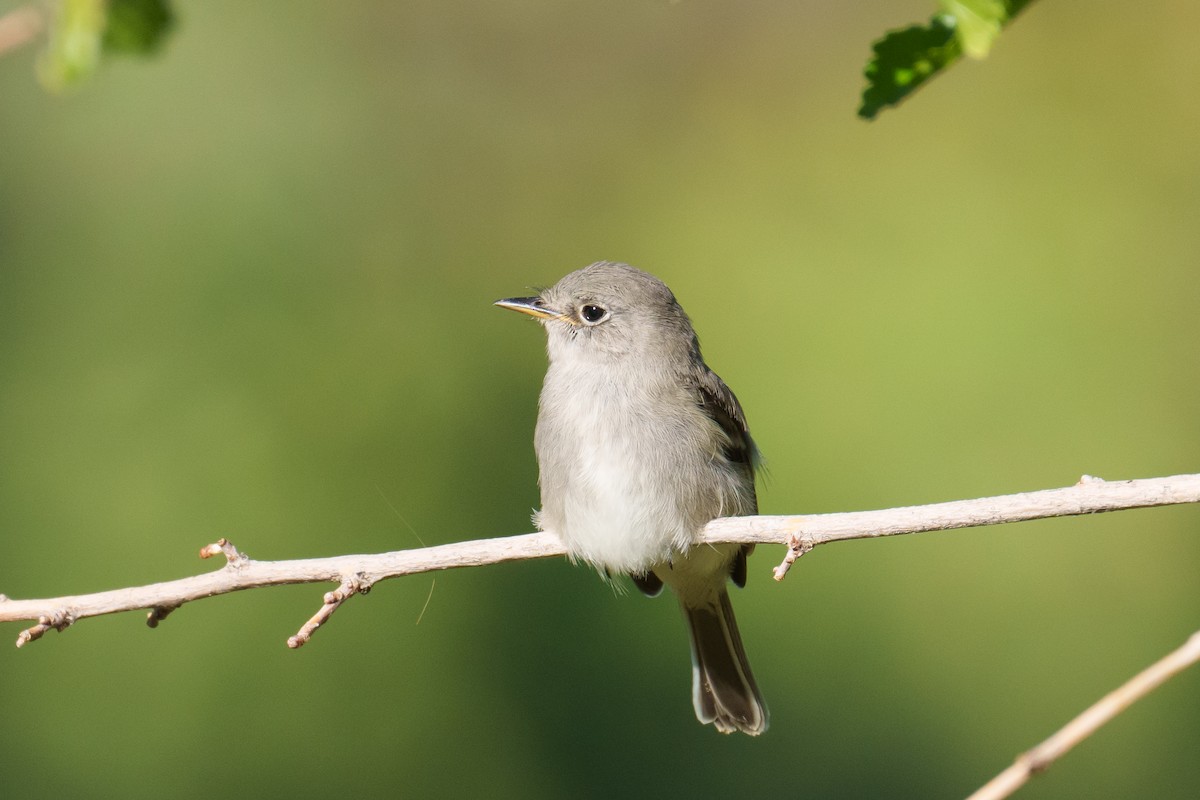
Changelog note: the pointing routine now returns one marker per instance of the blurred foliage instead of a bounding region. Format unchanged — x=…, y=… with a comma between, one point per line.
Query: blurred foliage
x=80, y=31
x=73, y=45
x=903, y=59
x=245, y=291
x=906, y=58
x=137, y=26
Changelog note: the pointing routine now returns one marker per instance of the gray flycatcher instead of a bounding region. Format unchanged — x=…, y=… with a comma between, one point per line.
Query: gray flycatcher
x=640, y=444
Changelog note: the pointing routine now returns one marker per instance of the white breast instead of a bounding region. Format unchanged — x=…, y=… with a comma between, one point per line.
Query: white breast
x=595, y=447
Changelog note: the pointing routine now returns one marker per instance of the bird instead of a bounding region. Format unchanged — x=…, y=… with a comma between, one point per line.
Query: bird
x=639, y=445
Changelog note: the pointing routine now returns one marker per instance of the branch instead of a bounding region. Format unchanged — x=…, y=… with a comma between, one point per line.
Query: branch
x=1041, y=757
x=241, y=572
x=356, y=573
x=1088, y=496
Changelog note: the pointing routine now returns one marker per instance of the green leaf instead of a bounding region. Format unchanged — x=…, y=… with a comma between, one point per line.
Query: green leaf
x=137, y=26
x=978, y=23
x=904, y=59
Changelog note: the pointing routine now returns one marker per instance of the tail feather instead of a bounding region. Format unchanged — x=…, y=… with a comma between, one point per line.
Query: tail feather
x=723, y=688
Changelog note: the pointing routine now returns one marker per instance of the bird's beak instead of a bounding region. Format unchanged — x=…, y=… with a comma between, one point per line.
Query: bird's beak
x=533, y=306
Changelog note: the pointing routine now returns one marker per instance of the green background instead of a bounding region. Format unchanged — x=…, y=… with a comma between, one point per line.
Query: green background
x=244, y=292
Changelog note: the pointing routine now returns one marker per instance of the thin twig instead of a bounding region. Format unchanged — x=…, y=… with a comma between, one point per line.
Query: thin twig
x=796, y=547
x=1041, y=757
x=59, y=621
x=801, y=533
x=224, y=547
x=356, y=584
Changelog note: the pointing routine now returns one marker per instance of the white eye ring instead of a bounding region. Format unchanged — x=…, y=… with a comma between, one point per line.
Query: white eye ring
x=592, y=314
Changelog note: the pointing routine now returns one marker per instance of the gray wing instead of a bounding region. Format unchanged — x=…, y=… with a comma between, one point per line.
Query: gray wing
x=719, y=402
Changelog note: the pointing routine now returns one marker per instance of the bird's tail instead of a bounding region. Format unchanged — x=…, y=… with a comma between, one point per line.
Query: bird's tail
x=723, y=688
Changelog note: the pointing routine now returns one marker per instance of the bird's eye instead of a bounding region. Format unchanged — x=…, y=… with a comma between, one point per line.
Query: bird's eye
x=593, y=314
